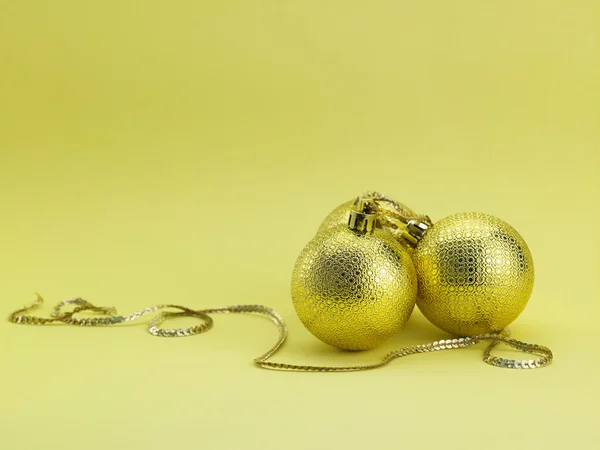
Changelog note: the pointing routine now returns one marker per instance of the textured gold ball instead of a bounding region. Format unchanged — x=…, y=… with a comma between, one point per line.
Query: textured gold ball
x=352, y=290
x=475, y=274
x=339, y=216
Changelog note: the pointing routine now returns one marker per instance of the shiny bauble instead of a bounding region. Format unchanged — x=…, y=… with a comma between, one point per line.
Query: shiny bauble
x=475, y=274
x=352, y=290
x=339, y=216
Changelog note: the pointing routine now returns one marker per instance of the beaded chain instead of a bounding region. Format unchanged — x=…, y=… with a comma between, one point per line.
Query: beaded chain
x=59, y=314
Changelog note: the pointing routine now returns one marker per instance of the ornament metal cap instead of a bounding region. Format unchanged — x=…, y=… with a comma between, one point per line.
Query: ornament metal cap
x=414, y=231
x=363, y=217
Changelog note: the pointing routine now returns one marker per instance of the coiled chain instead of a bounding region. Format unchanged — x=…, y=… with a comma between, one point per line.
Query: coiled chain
x=59, y=314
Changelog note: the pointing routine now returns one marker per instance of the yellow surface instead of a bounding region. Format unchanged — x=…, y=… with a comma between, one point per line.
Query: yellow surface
x=186, y=151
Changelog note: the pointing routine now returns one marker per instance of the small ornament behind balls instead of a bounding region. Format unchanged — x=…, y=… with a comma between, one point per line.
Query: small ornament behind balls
x=354, y=285
x=392, y=215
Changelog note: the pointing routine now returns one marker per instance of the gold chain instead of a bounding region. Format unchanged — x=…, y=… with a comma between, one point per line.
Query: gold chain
x=59, y=314
x=393, y=213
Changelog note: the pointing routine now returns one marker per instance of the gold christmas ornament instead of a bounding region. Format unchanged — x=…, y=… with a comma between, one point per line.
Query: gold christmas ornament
x=354, y=285
x=475, y=274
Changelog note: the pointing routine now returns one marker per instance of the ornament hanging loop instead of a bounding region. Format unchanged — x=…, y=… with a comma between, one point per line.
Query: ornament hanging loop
x=399, y=219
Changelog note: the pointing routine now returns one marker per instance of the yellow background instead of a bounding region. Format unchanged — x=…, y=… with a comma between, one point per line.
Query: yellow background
x=185, y=152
